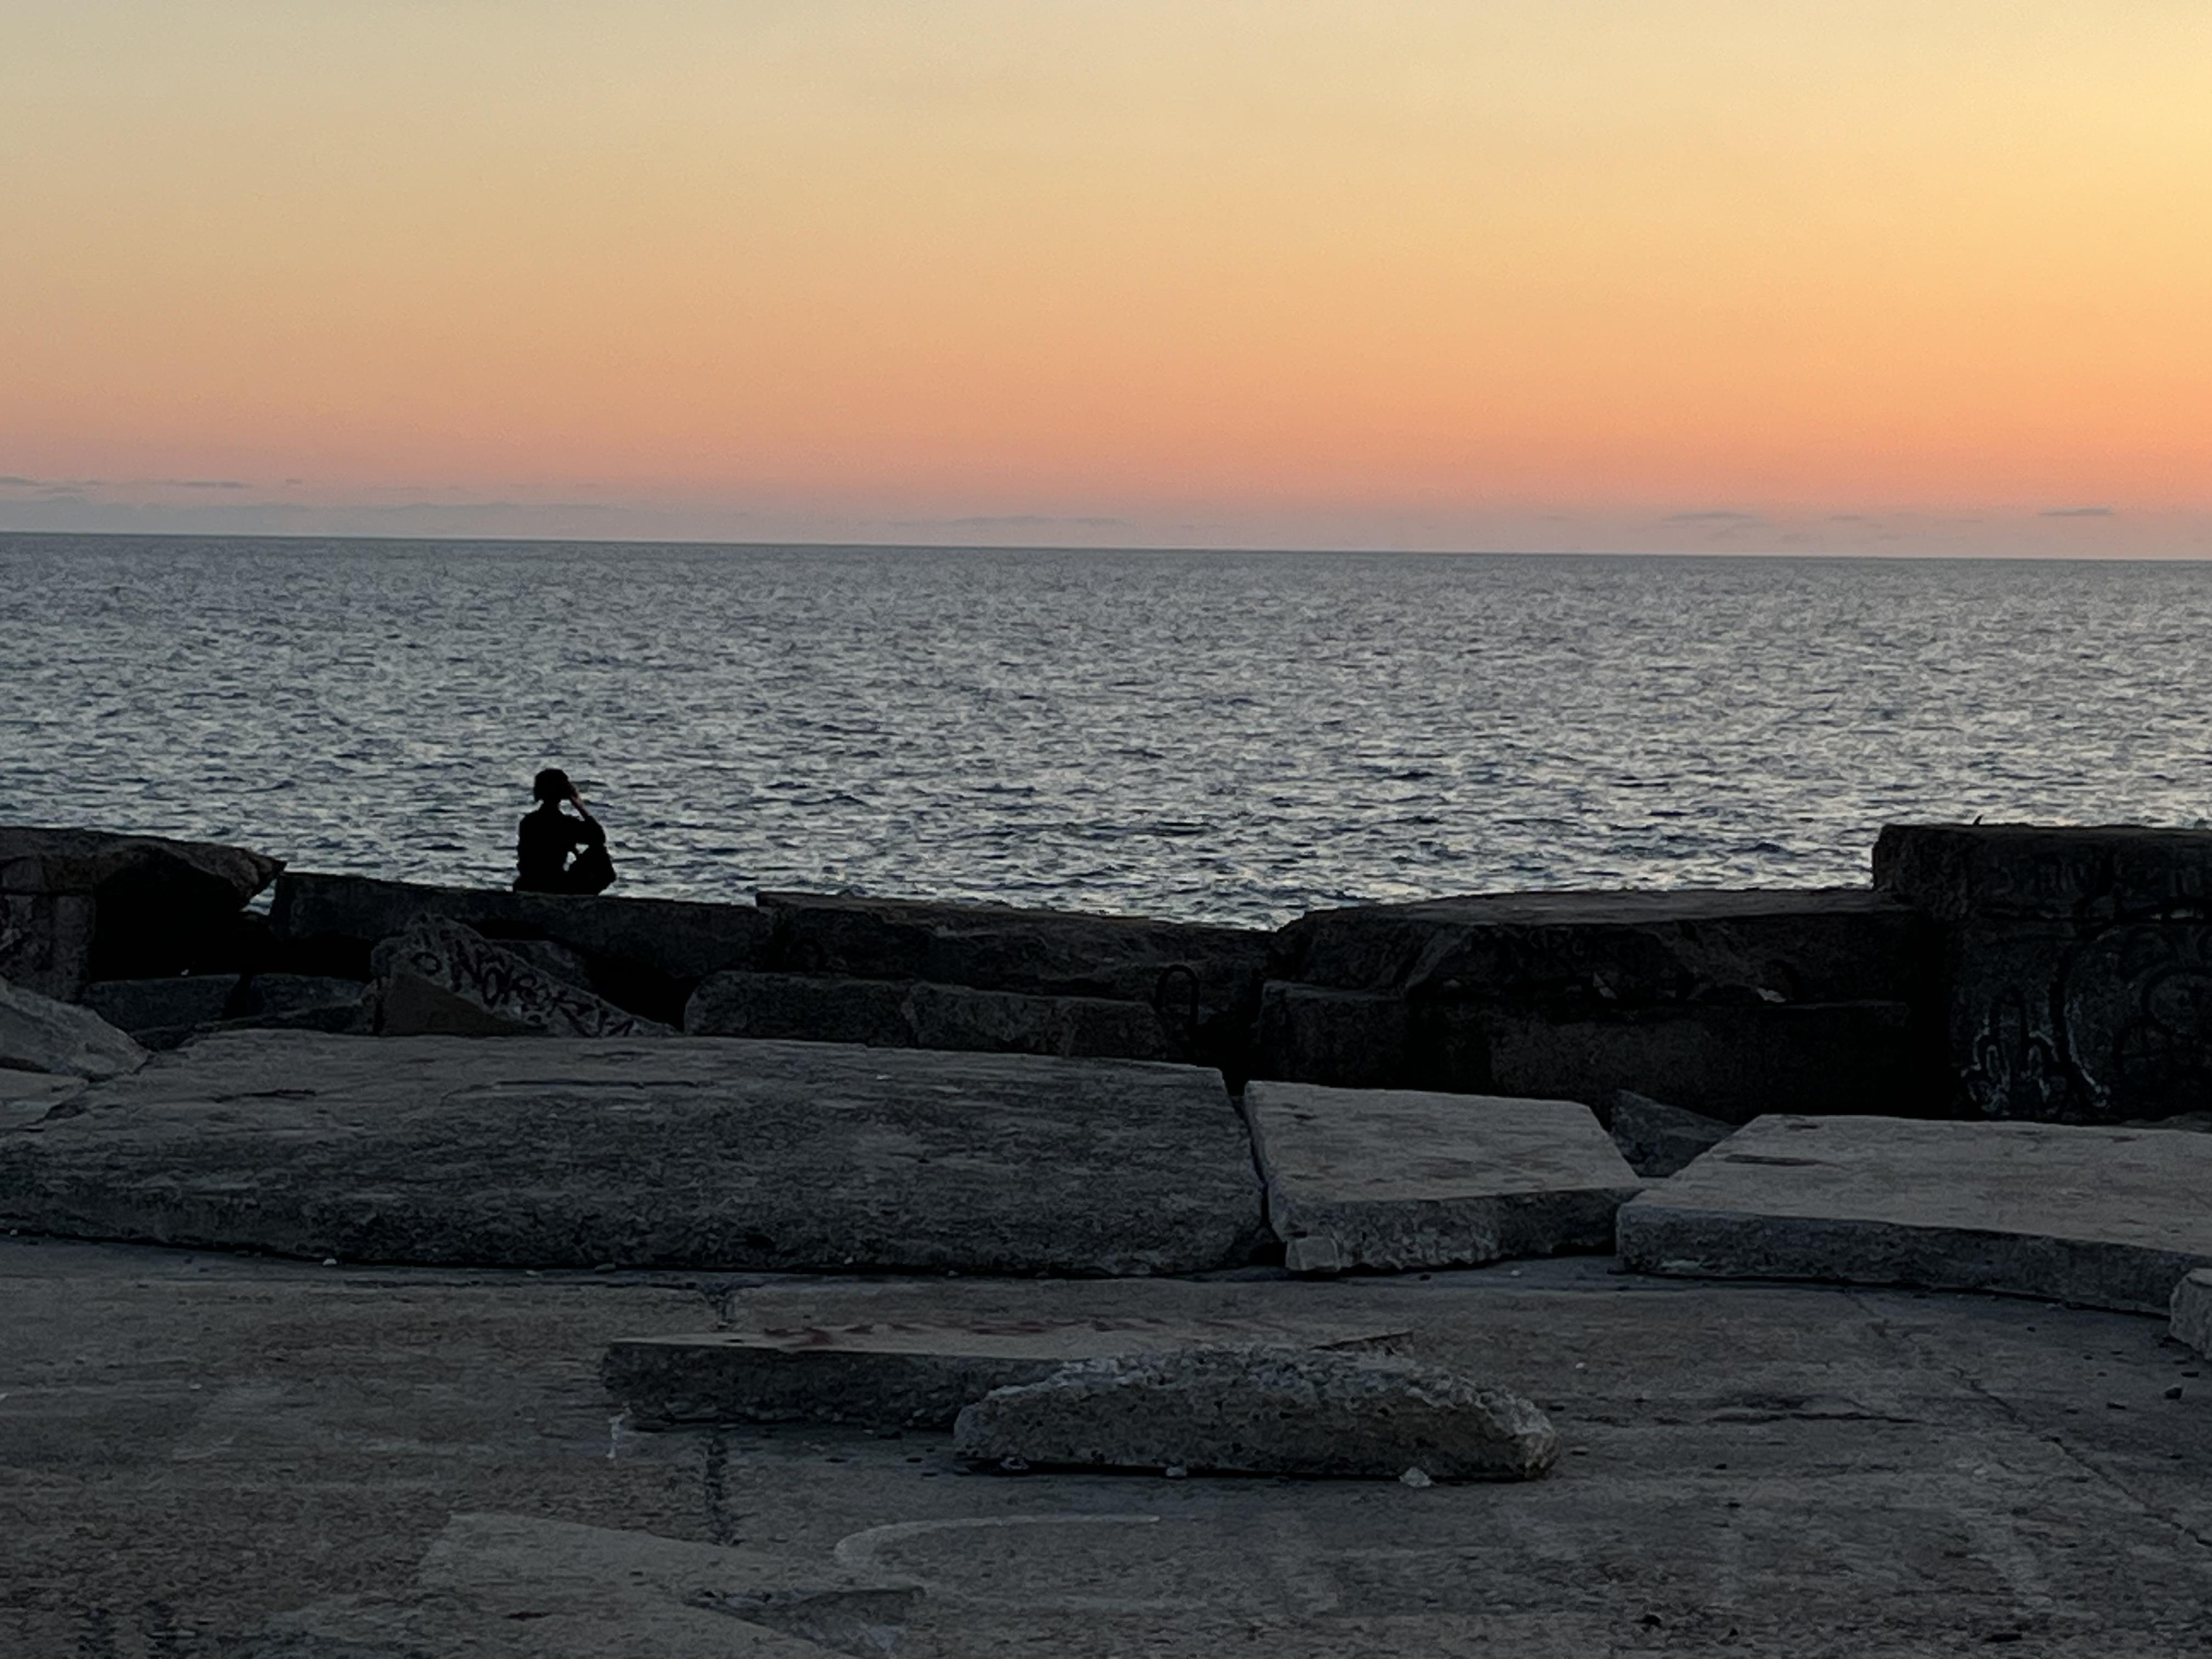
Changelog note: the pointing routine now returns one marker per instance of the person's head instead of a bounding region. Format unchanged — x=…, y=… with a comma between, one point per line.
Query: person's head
x=552, y=786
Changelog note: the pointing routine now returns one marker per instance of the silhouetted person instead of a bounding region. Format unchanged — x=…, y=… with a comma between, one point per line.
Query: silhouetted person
x=549, y=835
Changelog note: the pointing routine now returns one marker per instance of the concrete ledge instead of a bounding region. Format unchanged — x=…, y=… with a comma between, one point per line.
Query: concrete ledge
x=2105, y=1218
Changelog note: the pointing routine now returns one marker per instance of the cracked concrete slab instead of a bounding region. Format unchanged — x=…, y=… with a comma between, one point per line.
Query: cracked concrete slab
x=1399, y=1179
x=675, y=1151
x=2110, y=1218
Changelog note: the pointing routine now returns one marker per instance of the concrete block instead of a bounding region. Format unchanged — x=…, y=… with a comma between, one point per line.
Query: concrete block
x=2107, y=873
x=1659, y=1140
x=45, y=942
x=1395, y=1180
x=2103, y=1216
x=890, y=1014
x=800, y=1008
x=646, y=955
x=1202, y=980
x=1727, y=1061
x=37, y=1034
x=2189, y=1312
x=916, y=1369
x=1619, y=948
x=1008, y=1022
x=440, y=977
x=676, y=1151
x=153, y=905
x=1350, y=1039
x=176, y=1002
x=1258, y=1410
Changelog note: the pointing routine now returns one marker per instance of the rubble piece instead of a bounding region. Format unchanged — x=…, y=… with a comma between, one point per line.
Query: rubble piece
x=1394, y=1180
x=2189, y=1312
x=1254, y=1409
x=2106, y=1218
x=1660, y=1140
x=440, y=978
x=884, y=1013
x=37, y=1034
x=2072, y=963
x=700, y=1152
x=77, y=905
x=910, y=1371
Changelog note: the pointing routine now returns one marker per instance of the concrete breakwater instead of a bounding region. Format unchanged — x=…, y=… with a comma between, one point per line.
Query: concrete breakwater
x=915, y=1190
x=2059, y=975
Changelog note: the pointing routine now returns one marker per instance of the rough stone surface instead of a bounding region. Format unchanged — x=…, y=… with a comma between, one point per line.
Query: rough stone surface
x=194, y=1445
x=2190, y=1313
x=882, y=1014
x=1795, y=945
x=1658, y=1139
x=440, y=978
x=45, y=941
x=800, y=1008
x=647, y=955
x=37, y=1034
x=2107, y=1218
x=1351, y=1039
x=1728, y=1003
x=174, y=1001
x=1731, y=1062
x=82, y=904
x=1395, y=1179
x=517, y=1585
x=706, y=1151
x=892, y=1369
x=2077, y=964
x=1203, y=982
x=1957, y=871
x=1256, y=1409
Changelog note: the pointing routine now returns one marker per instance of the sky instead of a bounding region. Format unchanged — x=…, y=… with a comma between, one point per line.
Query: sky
x=1603, y=275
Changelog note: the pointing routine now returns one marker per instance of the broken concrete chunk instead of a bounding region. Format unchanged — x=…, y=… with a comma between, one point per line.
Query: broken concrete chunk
x=37, y=1034
x=1659, y=1140
x=440, y=978
x=1254, y=1409
x=1394, y=1179
x=2108, y=1218
x=700, y=1153
x=2189, y=1312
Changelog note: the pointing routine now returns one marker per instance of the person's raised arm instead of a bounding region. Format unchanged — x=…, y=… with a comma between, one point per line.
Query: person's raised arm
x=593, y=834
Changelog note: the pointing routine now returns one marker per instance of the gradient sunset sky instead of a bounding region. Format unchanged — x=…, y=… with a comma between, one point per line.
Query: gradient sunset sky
x=1590, y=274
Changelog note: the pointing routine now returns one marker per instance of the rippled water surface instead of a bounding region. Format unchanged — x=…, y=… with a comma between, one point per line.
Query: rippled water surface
x=1237, y=737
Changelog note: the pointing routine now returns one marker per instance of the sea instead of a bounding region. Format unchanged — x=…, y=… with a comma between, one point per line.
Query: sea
x=1232, y=737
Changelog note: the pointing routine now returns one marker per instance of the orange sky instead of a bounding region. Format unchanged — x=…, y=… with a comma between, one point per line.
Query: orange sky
x=1600, y=273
